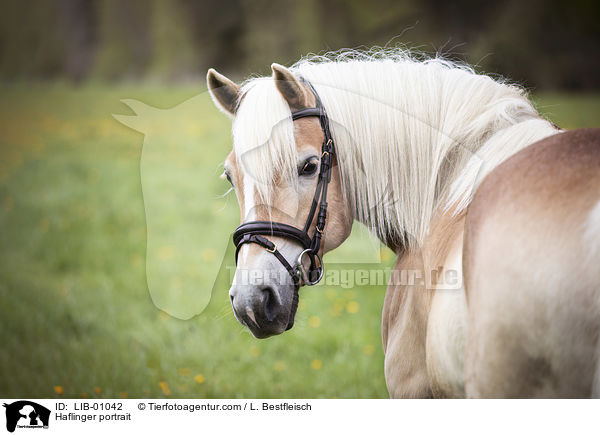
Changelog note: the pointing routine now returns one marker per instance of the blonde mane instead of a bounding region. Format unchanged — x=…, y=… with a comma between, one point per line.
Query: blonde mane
x=412, y=135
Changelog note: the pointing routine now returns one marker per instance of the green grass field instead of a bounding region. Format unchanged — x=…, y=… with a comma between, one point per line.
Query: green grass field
x=77, y=318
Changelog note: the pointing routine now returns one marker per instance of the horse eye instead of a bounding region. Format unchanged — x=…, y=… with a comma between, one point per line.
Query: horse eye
x=310, y=167
x=228, y=177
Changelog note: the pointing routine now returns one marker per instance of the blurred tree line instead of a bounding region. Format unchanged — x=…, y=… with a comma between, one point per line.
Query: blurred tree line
x=543, y=44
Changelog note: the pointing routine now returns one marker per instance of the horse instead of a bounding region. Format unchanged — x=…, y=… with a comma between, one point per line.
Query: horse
x=481, y=184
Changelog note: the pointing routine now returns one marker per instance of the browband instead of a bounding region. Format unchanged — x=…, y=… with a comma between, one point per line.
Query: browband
x=303, y=113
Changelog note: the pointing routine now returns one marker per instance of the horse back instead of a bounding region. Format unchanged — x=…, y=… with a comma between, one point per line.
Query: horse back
x=532, y=272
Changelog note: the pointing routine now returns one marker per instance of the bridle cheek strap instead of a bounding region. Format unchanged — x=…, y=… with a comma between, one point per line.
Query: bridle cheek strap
x=253, y=232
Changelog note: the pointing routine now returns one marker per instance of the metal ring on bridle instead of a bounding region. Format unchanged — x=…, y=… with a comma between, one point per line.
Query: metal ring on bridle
x=300, y=268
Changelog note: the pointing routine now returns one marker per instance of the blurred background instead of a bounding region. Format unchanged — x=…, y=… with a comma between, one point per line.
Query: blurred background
x=75, y=314
x=544, y=44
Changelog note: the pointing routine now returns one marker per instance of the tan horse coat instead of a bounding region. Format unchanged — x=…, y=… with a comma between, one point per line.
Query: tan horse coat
x=527, y=321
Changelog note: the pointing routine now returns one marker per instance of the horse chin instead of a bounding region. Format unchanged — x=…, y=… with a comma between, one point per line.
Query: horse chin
x=261, y=334
x=270, y=331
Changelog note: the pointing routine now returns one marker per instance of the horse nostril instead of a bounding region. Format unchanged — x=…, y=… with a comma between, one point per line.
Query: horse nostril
x=271, y=303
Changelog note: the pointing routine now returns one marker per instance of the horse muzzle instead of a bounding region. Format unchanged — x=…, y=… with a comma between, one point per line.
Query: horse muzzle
x=266, y=307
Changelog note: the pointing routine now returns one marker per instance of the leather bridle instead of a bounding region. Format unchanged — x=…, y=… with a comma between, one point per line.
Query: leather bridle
x=254, y=232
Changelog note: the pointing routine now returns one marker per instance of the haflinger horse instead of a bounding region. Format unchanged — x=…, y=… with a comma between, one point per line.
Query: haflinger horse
x=481, y=185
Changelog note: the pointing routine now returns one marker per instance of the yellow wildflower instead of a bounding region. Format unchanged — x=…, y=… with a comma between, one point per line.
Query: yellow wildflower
x=165, y=388
x=352, y=307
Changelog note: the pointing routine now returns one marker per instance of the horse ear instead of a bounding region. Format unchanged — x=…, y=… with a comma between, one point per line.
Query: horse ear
x=289, y=87
x=223, y=91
